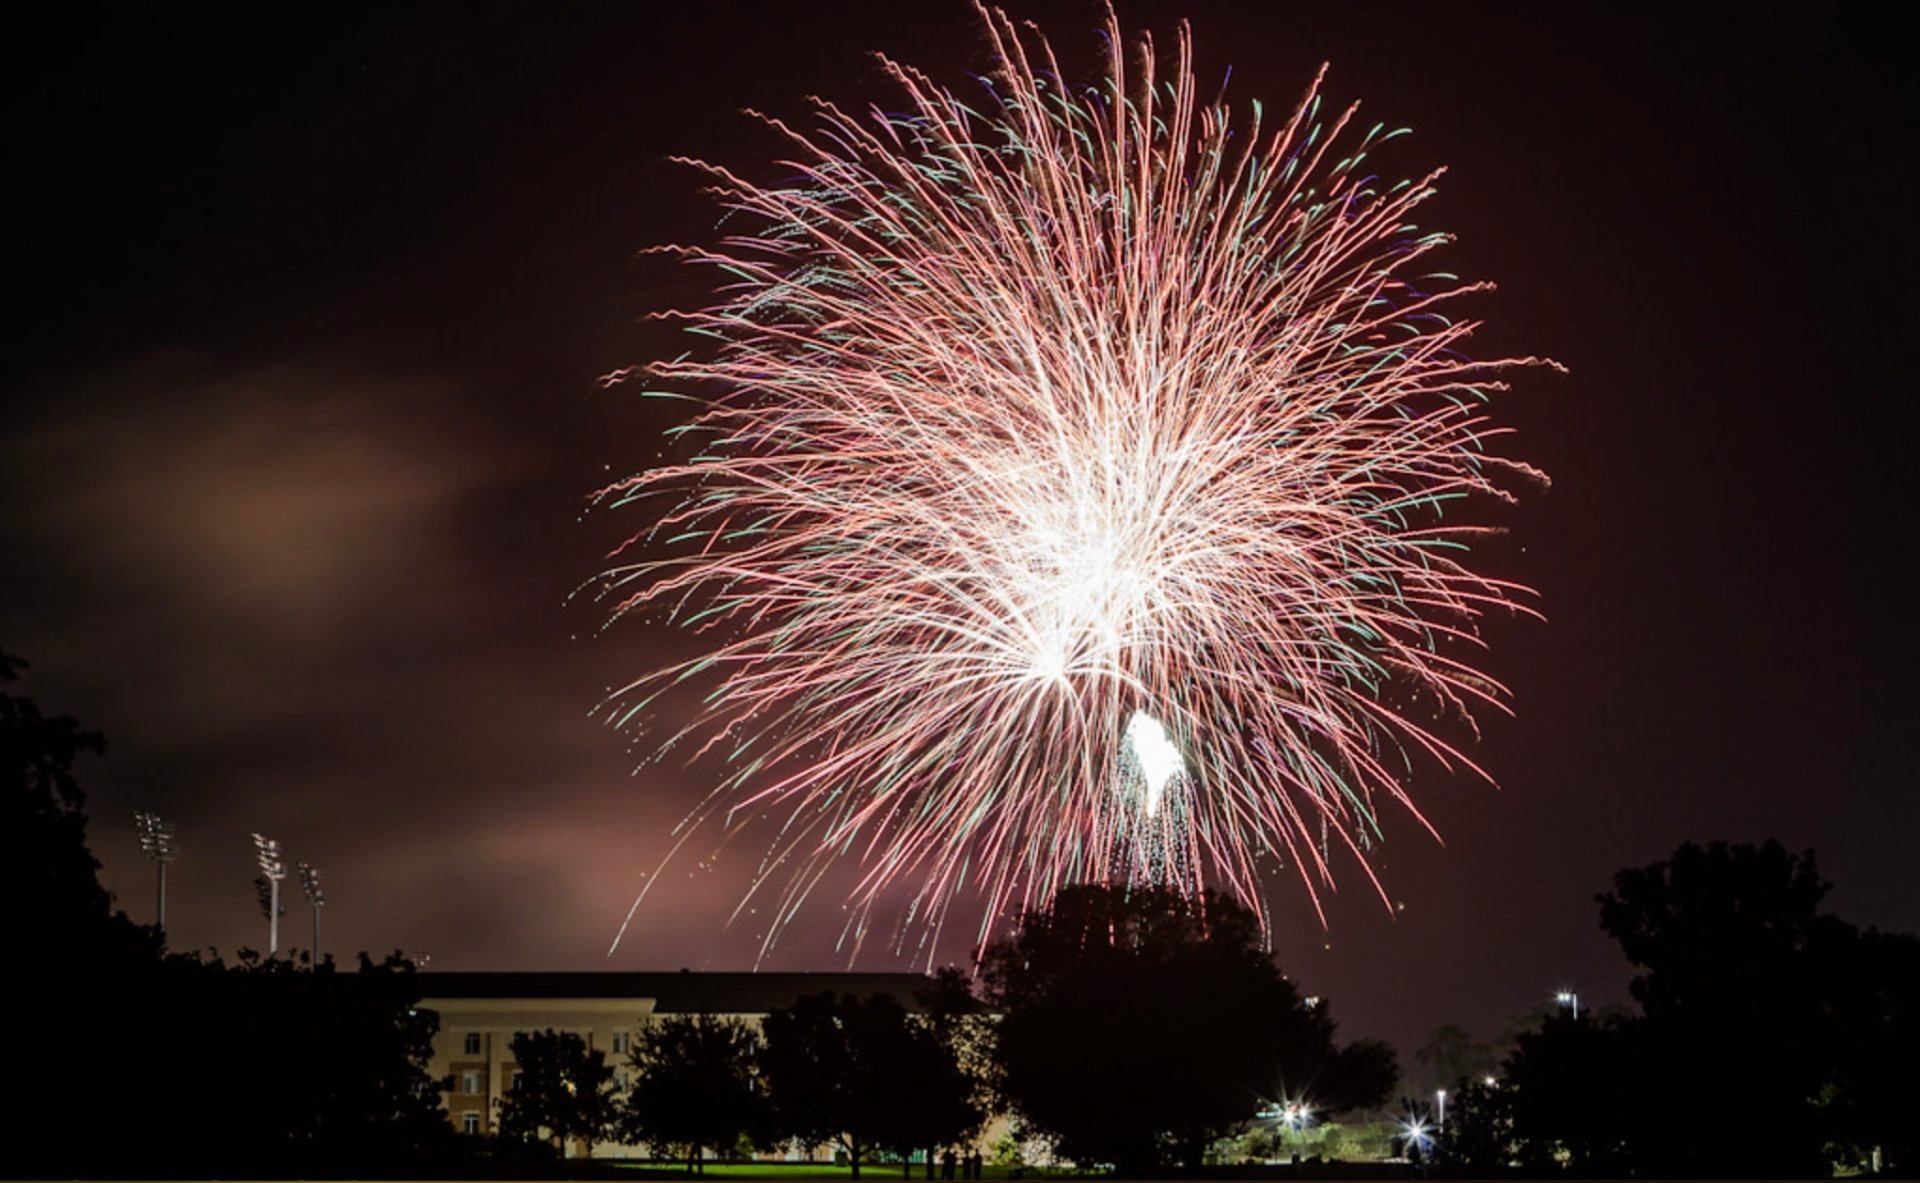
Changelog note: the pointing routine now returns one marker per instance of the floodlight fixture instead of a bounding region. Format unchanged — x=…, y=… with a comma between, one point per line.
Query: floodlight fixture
x=317, y=898
x=273, y=868
x=156, y=841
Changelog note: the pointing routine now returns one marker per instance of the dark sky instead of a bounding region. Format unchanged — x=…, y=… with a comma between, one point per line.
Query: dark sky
x=300, y=417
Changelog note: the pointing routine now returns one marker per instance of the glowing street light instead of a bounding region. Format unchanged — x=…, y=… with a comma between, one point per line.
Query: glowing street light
x=310, y=885
x=156, y=839
x=1568, y=998
x=273, y=869
x=1440, y=1113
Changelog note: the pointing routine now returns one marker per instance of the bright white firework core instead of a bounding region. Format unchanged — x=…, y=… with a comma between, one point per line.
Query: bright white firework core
x=1159, y=759
x=1022, y=410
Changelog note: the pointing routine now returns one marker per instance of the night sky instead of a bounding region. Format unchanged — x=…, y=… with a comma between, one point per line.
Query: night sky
x=301, y=415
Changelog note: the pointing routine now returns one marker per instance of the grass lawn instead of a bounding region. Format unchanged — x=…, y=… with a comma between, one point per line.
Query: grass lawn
x=879, y=1172
x=775, y=1170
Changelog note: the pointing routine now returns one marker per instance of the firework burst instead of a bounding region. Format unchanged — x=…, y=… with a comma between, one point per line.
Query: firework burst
x=1067, y=503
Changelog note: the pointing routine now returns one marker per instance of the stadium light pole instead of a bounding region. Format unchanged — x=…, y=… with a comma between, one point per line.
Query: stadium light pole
x=310, y=885
x=1569, y=999
x=274, y=868
x=156, y=839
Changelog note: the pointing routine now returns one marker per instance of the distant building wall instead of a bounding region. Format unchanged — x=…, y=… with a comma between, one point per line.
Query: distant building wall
x=480, y=1013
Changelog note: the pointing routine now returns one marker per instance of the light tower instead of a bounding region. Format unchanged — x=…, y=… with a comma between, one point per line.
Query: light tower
x=1569, y=999
x=310, y=885
x=273, y=869
x=156, y=839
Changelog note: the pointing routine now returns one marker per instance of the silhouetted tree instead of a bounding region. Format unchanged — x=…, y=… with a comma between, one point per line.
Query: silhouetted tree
x=564, y=1090
x=69, y=953
x=1872, y=1101
x=861, y=1073
x=270, y=1060
x=1450, y=1058
x=1360, y=1075
x=696, y=1086
x=1139, y=1026
x=1574, y=1095
x=54, y=906
x=1479, y=1138
x=944, y=1102
x=967, y=1093
x=1730, y=943
x=268, y=1063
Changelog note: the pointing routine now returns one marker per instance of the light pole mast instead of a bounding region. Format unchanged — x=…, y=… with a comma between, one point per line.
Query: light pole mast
x=310, y=884
x=1570, y=1000
x=272, y=868
x=156, y=839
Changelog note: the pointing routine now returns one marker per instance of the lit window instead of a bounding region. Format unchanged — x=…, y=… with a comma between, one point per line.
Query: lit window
x=470, y=1122
x=620, y=1081
x=470, y=1082
x=619, y=1042
x=470, y=1045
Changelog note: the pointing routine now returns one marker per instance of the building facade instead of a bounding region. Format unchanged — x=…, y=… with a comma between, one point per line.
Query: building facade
x=481, y=1012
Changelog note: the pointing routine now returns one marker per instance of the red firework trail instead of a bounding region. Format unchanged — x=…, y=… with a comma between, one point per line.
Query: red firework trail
x=1068, y=500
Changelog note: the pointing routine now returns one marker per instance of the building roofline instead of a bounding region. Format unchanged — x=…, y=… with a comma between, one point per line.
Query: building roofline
x=684, y=992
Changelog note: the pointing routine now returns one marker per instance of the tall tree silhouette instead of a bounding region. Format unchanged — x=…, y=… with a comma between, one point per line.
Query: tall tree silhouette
x=861, y=1073
x=1872, y=1102
x=265, y=1062
x=696, y=1086
x=1730, y=943
x=966, y=1091
x=54, y=906
x=70, y=951
x=563, y=1091
x=1776, y=1040
x=1452, y=1058
x=1138, y=1026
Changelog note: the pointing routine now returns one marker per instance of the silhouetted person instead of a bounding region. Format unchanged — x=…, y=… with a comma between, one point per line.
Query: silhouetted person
x=930, y=1164
x=973, y=1165
x=946, y=1163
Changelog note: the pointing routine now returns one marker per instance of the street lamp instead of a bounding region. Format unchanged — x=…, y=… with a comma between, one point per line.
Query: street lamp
x=273, y=869
x=310, y=885
x=156, y=839
x=1440, y=1113
x=1569, y=999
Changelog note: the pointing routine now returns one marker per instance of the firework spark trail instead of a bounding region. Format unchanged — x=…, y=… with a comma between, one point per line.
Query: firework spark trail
x=1038, y=415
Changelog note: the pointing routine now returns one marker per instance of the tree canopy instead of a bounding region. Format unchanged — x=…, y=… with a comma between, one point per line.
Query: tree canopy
x=563, y=1090
x=696, y=1087
x=1450, y=1058
x=54, y=906
x=267, y=1060
x=1774, y=1039
x=1729, y=941
x=1139, y=1026
x=862, y=1073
